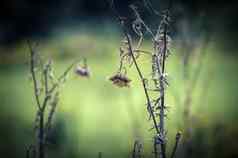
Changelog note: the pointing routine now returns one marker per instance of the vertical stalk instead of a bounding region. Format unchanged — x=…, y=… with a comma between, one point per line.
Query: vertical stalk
x=177, y=139
x=49, y=90
x=41, y=148
x=134, y=150
x=33, y=74
x=143, y=81
x=100, y=155
x=162, y=87
x=162, y=103
x=159, y=126
x=155, y=149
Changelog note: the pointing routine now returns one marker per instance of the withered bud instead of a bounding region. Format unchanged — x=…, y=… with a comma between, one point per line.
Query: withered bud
x=120, y=80
x=82, y=71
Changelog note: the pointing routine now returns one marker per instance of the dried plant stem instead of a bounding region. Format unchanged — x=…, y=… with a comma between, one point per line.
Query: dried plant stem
x=162, y=103
x=156, y=155
x=50, y=89
x=142, y=80
x=32, y=63
x=162, y=88
x=41, y=109
x=177, y=139
x=61, y=78
x=41, y=147
x=161, y=43
x=137, y=150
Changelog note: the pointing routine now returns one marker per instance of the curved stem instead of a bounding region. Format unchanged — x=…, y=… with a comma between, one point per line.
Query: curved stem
x=178, y=136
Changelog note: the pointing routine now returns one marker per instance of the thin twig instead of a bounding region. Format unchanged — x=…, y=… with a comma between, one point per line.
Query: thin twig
x=177, y=139
x=59, y=80
x=142, y=22
x=41, y=142
x=33, y=74
x=47, y=94
x=142, y=80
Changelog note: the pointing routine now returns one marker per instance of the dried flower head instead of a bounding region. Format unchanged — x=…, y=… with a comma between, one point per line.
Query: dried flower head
x=120, y=80
x=82, y=71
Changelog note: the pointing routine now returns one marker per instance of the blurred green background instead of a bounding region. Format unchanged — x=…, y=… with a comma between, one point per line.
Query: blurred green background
x=96, y=116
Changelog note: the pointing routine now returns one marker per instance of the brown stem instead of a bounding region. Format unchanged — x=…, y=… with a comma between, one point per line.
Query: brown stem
x=142, y=80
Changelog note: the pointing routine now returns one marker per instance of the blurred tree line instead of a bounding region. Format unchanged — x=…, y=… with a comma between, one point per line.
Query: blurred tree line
x=23, y=18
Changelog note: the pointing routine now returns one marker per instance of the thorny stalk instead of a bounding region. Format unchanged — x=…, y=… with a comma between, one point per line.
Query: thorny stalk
x=162, y=91
x=161, y=41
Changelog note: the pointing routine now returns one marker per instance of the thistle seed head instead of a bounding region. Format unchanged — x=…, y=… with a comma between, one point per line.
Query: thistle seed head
x=120, y=80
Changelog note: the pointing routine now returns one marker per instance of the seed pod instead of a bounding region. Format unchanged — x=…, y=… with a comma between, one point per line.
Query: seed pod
x=120, y=80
